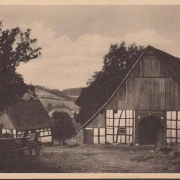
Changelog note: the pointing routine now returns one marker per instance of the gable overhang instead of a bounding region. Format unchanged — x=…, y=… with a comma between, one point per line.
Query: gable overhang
x=166, y=67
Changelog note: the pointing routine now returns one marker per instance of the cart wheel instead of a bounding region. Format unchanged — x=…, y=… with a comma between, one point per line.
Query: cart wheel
x=37, y=150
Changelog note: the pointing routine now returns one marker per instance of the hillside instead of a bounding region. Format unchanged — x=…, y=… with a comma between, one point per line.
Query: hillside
x=73, y=92
x=55, y=92
x=51, y=101
x=44, y=94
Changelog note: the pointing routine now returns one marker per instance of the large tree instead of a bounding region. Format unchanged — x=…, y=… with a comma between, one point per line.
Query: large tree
x=102, y=84
x=16, y=46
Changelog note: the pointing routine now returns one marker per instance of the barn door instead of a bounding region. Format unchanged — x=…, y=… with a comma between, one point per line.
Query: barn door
x=150, y=127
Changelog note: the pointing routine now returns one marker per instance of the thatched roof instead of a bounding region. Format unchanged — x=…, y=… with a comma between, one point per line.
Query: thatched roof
x=29, y=114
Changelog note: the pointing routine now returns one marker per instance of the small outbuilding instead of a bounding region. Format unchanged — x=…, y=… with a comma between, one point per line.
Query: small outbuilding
x=145, y=108
x=28, y=114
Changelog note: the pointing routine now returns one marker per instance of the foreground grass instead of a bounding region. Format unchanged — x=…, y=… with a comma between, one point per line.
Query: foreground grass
x=93, y=159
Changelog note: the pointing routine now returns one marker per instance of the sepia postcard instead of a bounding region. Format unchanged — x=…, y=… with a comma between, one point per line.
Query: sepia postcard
x=89, y=89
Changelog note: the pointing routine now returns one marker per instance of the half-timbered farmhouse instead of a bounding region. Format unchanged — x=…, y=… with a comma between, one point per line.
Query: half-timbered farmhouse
x=26, y=115
x=145, y=108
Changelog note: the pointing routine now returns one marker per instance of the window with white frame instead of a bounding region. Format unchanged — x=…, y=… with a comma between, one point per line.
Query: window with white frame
x=173, y=126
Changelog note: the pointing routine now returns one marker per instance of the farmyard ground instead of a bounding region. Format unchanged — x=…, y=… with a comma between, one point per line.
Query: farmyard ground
x=94, y=159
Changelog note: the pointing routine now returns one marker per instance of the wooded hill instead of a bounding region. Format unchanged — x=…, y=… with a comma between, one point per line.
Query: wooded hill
x=51, y=101
x=68, y=94
x=73, y=92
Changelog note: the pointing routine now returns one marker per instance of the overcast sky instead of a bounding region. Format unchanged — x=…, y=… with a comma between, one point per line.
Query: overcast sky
x=74, y=39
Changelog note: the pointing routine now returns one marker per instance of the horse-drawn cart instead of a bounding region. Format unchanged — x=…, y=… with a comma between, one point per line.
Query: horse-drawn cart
x=9, y=146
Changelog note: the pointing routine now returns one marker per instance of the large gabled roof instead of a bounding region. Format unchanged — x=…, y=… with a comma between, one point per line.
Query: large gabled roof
x=171, y=63
x=28, y=114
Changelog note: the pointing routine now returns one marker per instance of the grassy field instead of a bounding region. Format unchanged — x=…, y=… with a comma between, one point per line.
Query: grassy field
x=46, y=97
x=42, y=93
x=58, y=103
x=94, y=159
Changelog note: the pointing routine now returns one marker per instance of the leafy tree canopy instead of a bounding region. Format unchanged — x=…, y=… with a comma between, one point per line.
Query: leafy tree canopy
x=16, y=46
x=101, y=85
x=63, y=127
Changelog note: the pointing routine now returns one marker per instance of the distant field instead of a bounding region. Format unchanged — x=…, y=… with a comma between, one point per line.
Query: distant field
x=42, y=93
x=73, y=92
x=57, y=102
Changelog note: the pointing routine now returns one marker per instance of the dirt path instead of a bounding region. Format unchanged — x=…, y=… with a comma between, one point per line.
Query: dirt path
x=96, y=159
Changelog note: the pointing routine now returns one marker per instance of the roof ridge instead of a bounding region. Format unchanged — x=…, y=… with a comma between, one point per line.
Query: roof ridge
x=171, y=63
x=164, y=52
